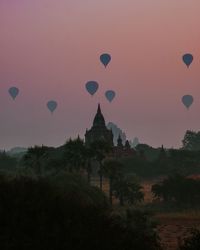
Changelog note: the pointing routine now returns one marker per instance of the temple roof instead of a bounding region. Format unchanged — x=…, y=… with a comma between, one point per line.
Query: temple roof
x=99, y=119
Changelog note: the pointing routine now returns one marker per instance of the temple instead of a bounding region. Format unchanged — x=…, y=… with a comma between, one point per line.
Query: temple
x=99, y=131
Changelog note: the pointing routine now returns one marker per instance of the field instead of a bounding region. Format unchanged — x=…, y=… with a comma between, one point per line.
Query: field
x=172, y=227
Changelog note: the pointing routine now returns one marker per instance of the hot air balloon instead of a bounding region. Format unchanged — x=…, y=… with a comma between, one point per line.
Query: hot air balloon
x=187, y=100
x=52, y=105
x=110, y=95
x=105, y=59
x=187, y=59
x=92, y=87
x=13, y=91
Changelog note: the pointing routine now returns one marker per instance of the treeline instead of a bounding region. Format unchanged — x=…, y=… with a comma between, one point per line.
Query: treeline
x=183, y=191
x=147, y=162
x=156, y=162
x=161, y=161
x=76, y=157
x=7, y=162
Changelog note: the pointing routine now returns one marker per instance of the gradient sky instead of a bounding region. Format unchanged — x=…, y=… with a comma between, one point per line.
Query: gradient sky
x=49, y=49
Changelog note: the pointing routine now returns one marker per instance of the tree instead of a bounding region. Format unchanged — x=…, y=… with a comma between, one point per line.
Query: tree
x=147, y=152
x=179, y=190
x=100, y=150
x=7, y=162
x=64, y=212
x=34, y=158
x=89, y=153
x=112, y=169
x=184, y=161
x=191, y=140
x=127, y=189
x=75, y=154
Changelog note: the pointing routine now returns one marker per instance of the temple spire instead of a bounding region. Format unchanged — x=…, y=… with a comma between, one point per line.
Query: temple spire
x=99, y=109
x=99, y=119
x=119, y=142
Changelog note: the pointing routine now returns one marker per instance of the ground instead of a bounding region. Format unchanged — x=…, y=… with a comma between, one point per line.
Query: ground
x=172, y=227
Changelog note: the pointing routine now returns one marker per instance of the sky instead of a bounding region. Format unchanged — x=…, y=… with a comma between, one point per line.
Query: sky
x=49, y=49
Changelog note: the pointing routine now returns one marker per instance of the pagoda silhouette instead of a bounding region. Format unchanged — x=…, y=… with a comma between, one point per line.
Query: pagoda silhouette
x=99, y=131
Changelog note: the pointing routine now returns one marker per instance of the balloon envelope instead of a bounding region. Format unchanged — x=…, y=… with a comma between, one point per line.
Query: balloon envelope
x=92, y=87
x=187, y=59
x=110, y=95
x=13, y=91
x=52, y=105
x=187, y=100
x=105, y=59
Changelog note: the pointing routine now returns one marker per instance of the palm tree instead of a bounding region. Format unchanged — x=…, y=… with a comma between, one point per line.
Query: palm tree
x=100, y=150
x=112, y=169
x=89, y=154
x=75, y=154
x=127, y=189
x=34, y=158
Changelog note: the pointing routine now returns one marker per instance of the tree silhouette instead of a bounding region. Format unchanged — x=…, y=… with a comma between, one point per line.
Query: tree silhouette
x=100, y=150
x=191, y=140
x=64, y=212
x=34, y=158
x=112, y=170
x=89, y=153
x=127, y=189
x=75, y=154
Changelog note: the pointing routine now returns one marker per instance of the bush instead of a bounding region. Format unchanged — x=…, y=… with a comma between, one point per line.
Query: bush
x=38, y=214
x=192, y=242
x=179, y=189
x=7, y=162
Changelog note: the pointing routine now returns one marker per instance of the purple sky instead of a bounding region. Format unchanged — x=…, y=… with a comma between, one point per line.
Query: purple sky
x=49, y=49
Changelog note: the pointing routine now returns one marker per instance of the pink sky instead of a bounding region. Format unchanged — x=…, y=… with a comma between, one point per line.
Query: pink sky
x=49, y=49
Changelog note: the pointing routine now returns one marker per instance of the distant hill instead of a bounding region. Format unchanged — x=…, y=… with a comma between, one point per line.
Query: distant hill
x=16, y=151
x=116, y=132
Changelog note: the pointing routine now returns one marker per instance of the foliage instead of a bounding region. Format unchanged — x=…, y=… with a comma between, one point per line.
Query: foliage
x=192, y=242
x=148, y=152
x=7, y=162
x=172, y=161
x=35, y=158
x=112, y=169
x=38, y=214
x=191, y=140
x=127, y=189
x=75, y=154
x=178, y=189
x=100, y=149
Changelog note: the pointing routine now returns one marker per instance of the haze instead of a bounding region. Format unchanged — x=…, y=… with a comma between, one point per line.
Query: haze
x=49, y=49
